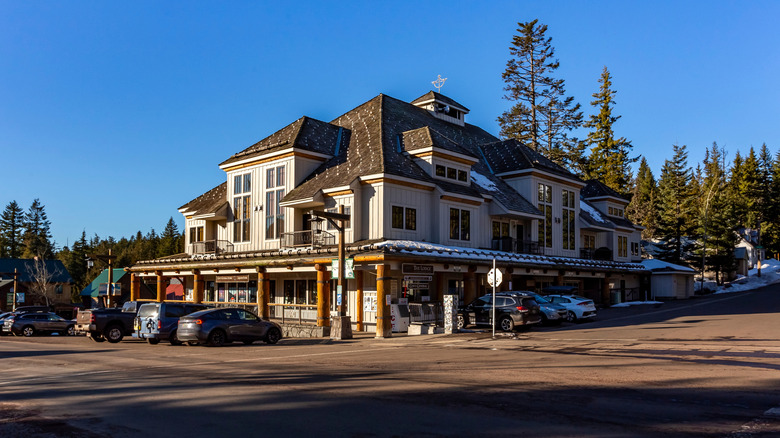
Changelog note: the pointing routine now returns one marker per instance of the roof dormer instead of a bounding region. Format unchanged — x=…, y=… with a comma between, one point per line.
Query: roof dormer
x=442, y=107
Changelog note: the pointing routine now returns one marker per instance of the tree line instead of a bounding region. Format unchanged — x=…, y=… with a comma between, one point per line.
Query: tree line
x=693, y=215
x=27, y=234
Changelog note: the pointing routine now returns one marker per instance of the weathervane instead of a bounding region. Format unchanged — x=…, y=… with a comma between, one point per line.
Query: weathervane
x=439, y=82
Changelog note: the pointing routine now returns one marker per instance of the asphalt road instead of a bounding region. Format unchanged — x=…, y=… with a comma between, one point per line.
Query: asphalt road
x=703, y=367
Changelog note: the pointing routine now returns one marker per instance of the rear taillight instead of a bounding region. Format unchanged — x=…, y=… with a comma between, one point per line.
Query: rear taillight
x=522, y=308
x=92, y=318
x=159, y=324
x=585, y=303
x=198, y=321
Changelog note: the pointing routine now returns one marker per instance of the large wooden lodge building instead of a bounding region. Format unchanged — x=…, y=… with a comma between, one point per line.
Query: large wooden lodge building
x=432, y=201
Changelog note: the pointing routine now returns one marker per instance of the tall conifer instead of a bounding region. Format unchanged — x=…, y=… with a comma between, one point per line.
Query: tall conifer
x=11, y=231
x=676, y=206
x=642, y=209
x=37, y=234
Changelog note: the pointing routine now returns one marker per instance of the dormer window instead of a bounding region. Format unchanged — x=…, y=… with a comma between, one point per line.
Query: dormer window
x=615, y=211
x=442, y=107
x=443, y=171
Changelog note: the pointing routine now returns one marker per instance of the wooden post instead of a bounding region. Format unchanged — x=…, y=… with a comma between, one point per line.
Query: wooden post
x=384, y=328
x=135, y=287
x=263, y=294
x=359, y=300
x=160, y=287
x=323, y=296
x=469, y=286
x=559, y=278
x=197, y=286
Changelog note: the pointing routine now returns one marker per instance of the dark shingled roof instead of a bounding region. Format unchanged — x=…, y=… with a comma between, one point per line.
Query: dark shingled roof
x=600, y=220
x=504, y=193
x=511, y=155
x=596, y=189
x=304, y=133
x=25, y=268
x=208, y=202
x=431, y=95
x=426, y=137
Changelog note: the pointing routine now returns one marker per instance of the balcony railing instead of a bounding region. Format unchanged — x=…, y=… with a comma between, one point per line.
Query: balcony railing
x=212, y=247
x=312, y=238
x=509, y=244
x=602, y=253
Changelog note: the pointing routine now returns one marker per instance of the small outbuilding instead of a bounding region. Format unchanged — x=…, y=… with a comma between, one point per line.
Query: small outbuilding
x=669, y=281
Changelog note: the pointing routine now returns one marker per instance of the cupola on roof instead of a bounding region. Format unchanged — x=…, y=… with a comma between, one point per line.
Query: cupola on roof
x=442, y=107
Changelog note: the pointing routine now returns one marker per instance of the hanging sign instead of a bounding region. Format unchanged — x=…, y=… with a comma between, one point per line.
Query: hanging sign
x=349, y=269
x=408, y=268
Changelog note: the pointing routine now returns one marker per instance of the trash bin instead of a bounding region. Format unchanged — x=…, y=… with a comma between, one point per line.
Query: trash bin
x=615, y=295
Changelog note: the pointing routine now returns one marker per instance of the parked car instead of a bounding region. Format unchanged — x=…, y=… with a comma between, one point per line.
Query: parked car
x=107, y=324
x=29, y=324
x=551, y=313
x=29, y=309
x=3, y=317
x=578, y=307
x=217, y=327
x=512, y=309
x=157, y=322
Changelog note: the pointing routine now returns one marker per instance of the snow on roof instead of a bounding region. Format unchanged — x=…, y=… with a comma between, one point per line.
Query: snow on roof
x=483, y=181
x=657, y=265
x=595, y=214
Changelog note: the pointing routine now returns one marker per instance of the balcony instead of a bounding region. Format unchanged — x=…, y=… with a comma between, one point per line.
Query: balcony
x=509, y=244
x=308, y=238
x=602, y=253
x=211, y=247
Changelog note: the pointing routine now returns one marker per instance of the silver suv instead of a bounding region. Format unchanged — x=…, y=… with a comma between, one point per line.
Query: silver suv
x=157, y=322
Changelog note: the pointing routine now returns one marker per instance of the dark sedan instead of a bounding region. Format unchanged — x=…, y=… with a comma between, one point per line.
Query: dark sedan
x=513, y=309
x=217, y=327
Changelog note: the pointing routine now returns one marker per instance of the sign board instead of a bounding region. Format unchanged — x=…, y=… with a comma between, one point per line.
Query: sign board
x=418, y=285
x=9, y=298
x=403, y=301
x=418, y=278
x=19, y=297
x=409, y=268
x=116, y=289
x=369, y=303
x=349, y=269
x=338, y=295
x=233, y=278
x=495, y=277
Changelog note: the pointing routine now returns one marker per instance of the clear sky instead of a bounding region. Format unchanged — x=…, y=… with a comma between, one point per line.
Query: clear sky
x=115, y=114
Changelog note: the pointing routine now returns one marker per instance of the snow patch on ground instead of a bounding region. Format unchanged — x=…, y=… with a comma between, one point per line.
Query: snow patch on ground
x=770, y=274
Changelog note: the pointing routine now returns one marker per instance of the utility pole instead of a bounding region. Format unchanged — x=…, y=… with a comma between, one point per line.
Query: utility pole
x=15, y=275
x=108, y=258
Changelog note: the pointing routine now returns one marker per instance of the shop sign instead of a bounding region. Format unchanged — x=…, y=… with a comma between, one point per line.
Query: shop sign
x=349, y=269
x=418, y=285
x=233, y=278
x=418, y=278
x=116, y=289
x=408, y=268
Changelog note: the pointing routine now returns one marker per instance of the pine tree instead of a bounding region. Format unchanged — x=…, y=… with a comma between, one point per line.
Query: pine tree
x=734, y=188
x=609, y=160
x=169, y=240
x=765, y=200
x=37, y=234
x=642, y=209
x=716, y=215
x=676, y=206
x=749, y=189
x=542, y=116
x=772, y=230
x=11, y=231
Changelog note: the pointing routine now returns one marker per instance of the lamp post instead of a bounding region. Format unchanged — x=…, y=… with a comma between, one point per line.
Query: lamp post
x=15, y=275
x=108, y=258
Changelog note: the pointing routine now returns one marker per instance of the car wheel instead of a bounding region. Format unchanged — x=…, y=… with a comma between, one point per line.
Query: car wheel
x=461, y=322
x=273, y=336
x=173, y=339
x=506, y=324
x=113, y=334
x=152, y=341
x=28, y=330
x=217, y=338
x=571, y=317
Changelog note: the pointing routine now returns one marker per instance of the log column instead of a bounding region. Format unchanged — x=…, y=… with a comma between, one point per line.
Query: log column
x=469, y=286
x=323, y=296
x=359, y=300
x=263, y=294
x=160, y=286
x=384, y=328
x=135, y=287
x=197, y=286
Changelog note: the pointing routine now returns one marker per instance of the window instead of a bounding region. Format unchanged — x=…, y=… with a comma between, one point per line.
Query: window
x=441, y=171
x=460, y=224
x=613, y=211
x=622, y=246
x=451, y=173
x=462, y=176
x=588, y=242
x=242, y=209
x=545, y=205
x=347, y=211
x=274, y=215
x=567, y=221
x=404, y=218
x=196, y=234
x=634, y=248
x=500, y=229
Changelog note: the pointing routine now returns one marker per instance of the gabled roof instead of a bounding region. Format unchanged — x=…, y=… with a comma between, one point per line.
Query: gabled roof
x=597, y=189
x=593, y=217
x=25, y=268
x=491, y=185
x=432, y=95
x=93, y=288
x=209, y=202
x=511, y=155
x=305, y=133
x=425, y=137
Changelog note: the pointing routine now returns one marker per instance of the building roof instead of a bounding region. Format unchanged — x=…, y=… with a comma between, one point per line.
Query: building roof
x=432, y=95
x=511, y=155
x=25, y=268
x=209, y=202
x=305, y=133
x=659, y=266
x=92, y=289
x=597, y=189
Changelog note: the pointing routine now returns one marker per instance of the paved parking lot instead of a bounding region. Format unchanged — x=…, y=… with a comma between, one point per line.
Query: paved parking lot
x=706, y=367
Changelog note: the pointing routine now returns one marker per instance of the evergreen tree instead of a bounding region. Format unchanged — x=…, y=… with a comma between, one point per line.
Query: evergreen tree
x=764, y=208
x=643, y=210
x=772, y=229
x=37, y=234
x=170, y=240
x=609, y=160
x=676, y=206
x=716, y=216
x=11, y=231
x=734, y=188
x=749, y=189
x=542, y=116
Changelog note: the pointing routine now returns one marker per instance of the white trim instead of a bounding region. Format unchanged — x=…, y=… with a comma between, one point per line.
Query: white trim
x=274, y=154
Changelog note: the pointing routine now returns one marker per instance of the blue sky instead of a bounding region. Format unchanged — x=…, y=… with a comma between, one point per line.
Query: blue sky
x=114, y=114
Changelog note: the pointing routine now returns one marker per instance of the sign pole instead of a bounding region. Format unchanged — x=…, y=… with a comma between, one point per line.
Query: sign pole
x=493, y=317
x=16, y=281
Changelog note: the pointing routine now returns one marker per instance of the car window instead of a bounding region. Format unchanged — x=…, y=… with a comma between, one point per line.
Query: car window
x=540, y=299
x=148, y=310
x=230, y=314
x=246, y=316
x=484, y=301
x=56, y=318
x=174, y=311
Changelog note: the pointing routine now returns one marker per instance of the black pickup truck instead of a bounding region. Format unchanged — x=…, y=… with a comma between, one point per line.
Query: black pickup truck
x=107, y=324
